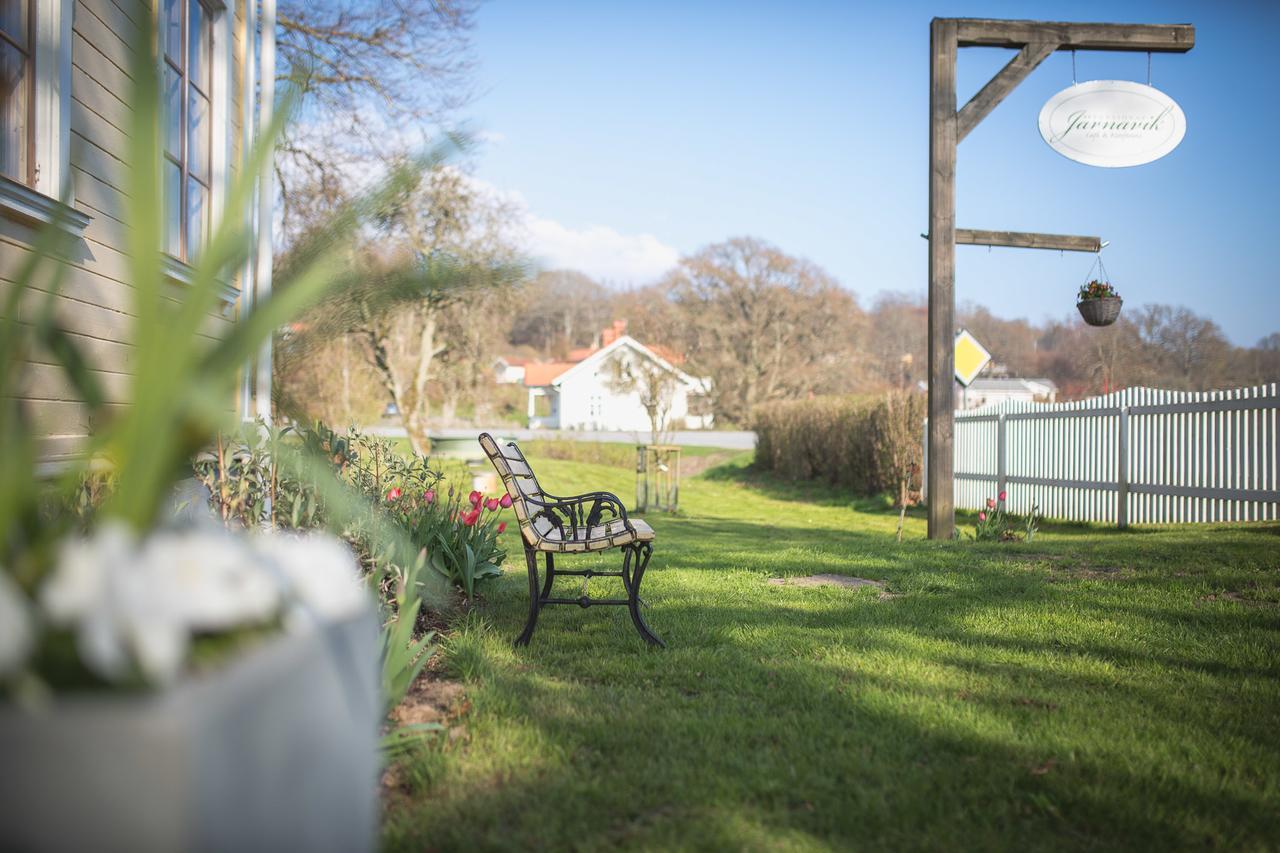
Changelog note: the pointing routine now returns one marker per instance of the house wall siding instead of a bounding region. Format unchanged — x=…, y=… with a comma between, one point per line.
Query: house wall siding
x=618, y=411
x=95, y=303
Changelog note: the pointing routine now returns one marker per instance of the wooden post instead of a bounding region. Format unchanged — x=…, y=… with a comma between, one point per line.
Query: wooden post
x=942, y=277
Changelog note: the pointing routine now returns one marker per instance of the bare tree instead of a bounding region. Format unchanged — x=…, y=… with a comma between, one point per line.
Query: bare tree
x=764, y=325
x=1183, y=350
x=440, y=245
x=378, y=78
x=895, y=341
x=896, y=436
x=561, y=310
x=653, y=384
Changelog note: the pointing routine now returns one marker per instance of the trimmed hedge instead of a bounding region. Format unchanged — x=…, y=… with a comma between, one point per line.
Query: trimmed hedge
x=849, y=441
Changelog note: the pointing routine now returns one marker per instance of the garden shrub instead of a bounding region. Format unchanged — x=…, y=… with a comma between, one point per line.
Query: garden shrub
x=867, y=443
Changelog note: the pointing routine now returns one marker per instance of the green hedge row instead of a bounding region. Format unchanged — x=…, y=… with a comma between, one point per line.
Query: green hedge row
x=870, y=443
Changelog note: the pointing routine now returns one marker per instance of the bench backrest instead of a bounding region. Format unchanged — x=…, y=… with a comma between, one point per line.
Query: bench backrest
x=520, y=482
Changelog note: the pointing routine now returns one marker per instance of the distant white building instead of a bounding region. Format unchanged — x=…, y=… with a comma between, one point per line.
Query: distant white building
x=988, y=391
x=585, y=392
x=509, y=370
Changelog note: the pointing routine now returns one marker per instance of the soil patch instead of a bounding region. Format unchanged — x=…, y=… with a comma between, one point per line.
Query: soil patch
x=826, y=580
x=1237, y=598
x=432, y=699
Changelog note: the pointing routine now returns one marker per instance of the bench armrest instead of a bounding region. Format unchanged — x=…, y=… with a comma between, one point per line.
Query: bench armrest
x=581, y=511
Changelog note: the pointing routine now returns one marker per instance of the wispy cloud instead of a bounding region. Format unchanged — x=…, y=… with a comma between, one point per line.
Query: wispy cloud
x=602, y=252
x=599, y=251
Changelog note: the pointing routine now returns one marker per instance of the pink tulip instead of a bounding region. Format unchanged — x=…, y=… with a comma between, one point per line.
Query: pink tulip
x=475, y=498
x=491, y=504
x=429, y=496
x=502, y=527
x=394, y=494
x=991, y=503
x=1004, y=495
x=982, y=516
x=505, y=502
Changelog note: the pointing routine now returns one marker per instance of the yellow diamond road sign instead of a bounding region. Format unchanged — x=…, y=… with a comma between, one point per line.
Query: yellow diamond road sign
x=971, y=357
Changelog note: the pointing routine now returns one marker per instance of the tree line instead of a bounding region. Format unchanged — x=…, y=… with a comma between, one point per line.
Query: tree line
x=763, y=325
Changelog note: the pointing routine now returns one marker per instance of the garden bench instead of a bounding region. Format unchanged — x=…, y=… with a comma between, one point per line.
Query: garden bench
x=551, y=525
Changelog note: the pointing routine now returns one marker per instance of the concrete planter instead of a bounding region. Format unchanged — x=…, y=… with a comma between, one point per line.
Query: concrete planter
x=277, y=751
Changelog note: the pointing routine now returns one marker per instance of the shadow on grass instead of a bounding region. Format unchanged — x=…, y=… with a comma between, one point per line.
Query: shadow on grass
x=1012, y=698
x=735, y=742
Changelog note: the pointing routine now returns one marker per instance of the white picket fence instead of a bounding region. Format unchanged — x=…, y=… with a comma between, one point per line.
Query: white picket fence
x=1138, y=456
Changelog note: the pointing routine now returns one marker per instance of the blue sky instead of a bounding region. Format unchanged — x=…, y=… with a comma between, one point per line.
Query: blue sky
x=634, y=132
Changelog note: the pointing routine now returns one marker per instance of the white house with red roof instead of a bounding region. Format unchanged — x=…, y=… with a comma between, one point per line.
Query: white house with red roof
x=590, y=390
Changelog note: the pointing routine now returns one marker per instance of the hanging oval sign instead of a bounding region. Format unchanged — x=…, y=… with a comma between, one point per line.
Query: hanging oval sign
x=1112, y=123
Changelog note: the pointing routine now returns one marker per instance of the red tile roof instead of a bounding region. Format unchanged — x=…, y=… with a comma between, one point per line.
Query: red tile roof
x=539, y=373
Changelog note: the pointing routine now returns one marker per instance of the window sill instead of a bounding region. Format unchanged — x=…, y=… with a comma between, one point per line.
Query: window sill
x=24, y=204
x=182, y=274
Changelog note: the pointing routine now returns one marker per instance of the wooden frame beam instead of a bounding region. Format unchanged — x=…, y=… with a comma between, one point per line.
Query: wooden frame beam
x=990, y=95
x=1141, y=38
x=1028, y=240
x=1034, y=41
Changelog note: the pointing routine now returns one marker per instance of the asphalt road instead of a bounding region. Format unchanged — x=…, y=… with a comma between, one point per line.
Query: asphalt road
x=730, y=440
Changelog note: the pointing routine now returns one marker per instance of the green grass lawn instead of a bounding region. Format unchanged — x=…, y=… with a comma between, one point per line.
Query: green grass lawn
x=1089, y=689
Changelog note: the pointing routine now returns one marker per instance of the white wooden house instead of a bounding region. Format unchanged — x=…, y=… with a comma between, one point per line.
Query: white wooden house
x=590, y=391
x=64, y=124
x=989, y=391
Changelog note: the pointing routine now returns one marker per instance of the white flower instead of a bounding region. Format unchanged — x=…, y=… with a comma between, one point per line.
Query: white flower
x=210, y=578
x=128, y=602
x=79, y=580
x=320, y=571
x=16, y=633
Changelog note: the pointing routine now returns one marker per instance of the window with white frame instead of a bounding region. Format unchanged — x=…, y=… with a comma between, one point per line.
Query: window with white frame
x=187, y=48
x=35, y=109
x=17, y=78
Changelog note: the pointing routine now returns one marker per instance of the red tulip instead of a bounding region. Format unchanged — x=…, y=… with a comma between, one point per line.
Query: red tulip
x=475, y=498
x=429, y=496
x=491, y=504
x=471, y=518
x=991, y=503
x=502, y=527
x=505, y=502
x=1004, y=495
x=394, y=494
x=982, y=516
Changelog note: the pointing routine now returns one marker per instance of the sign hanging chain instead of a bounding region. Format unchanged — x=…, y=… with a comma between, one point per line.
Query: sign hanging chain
x=1148, y=68
x=1073, y=67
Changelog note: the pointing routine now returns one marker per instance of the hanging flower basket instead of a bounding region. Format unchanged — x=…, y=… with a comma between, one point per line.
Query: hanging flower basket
x=1099, y=304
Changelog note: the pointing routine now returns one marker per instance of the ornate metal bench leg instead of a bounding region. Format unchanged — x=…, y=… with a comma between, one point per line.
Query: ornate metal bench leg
x=531, y=557
x=631, y=579
x=551, y=576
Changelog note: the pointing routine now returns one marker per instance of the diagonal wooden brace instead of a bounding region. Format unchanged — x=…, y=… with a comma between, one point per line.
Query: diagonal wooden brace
x=999, y=86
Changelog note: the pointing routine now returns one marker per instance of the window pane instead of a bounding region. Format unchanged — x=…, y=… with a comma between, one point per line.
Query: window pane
x=197, y=216
x=172, y=112
x=13, y=113
x=13, y=19
x=198, y=35
x=173, y=208
x=198, y=135
x=171, y=29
